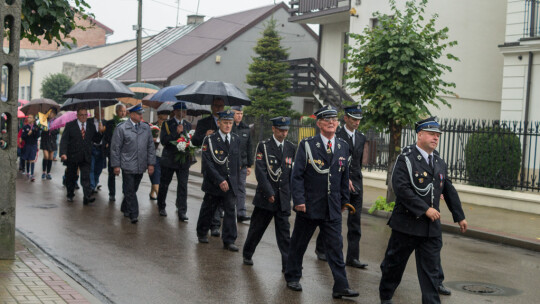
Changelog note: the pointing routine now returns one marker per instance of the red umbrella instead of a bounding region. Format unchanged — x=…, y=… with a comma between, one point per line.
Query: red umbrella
x=19, y=113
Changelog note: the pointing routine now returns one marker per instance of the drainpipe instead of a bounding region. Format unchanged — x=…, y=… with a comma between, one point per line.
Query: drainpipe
x=31, y=78
x=527, y=105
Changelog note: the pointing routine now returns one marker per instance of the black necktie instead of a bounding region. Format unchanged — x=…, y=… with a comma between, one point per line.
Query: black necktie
x=227, y=141
x=430, y=161
x=280, y=147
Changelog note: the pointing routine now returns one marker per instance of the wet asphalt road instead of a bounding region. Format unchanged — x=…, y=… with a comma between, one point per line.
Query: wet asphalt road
x=159, y=260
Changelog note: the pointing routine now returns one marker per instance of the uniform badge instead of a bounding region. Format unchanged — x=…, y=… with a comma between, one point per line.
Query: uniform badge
x=419, y=157
x=421, y=180
x=215, y=152
x=425, y=173
x=415, y=174
x=318, y=145
x=221, y=152
x=339, y=146
x=204, y=147
x=259, y=156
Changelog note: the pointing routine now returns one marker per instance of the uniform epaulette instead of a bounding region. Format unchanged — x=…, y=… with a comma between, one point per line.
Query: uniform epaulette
x=266, y=141
x=121, y=123
x=343, y=140
x=309, y=138
x=436, y=152
x=406, y=150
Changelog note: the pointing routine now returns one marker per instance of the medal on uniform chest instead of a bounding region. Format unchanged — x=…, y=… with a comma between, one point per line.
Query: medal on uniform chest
x=421, y=180
x=215, y=152
x=221, y=152
x=339, y=146
x=318, y=145
x=415, y=174
x=419, y=157
x=425, y=173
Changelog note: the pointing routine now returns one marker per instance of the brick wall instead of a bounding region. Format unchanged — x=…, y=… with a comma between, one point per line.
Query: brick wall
x=94, y=35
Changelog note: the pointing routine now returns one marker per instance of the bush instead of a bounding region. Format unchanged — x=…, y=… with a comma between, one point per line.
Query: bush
x=381, y=204
x=493, y=158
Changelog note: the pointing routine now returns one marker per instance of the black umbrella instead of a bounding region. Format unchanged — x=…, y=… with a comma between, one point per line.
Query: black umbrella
x=203, y=92
x=193, y=109
x=39, y=105
x=99, y=88
x=73, y=104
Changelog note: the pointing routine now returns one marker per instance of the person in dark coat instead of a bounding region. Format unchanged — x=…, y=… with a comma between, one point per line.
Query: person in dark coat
x=98, y=153
x=3, y=130
x=206, y=127
x=48, y=145
x=110, y=125
x=356, y=141
x=172, y=130
x=76, y=153
x=419, y=178
x=220, y=166
x=320, y=192
x=273, y=195
x=30, y=135
x=246, y=153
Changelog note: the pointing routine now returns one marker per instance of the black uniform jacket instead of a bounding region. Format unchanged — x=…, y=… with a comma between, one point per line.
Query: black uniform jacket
x=74, y=146
x=356, y=153
x=409, y=212
x=214, y=173
x=271, y=181
x=168, y=134
x=205, y=124
x=323, y=193
x=246, y=153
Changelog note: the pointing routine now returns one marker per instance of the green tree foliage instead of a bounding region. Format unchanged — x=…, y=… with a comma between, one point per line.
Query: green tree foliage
x=494, y=170
x=55, y=85
x=52, y=20
x=397, y=70
x=269, y=76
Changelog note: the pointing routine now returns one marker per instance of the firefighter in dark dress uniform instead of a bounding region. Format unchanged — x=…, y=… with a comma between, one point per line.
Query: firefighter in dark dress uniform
x=172, y=130
x=272, y=199
x=220, y=167
x=418, y=179
x=356, y=141
x=320, y=192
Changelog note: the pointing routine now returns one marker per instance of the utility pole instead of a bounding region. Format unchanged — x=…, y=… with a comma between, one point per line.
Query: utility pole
x=177, y=11
x=139, y=42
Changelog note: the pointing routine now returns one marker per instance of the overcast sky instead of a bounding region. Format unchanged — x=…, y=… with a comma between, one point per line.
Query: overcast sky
x=121, y=15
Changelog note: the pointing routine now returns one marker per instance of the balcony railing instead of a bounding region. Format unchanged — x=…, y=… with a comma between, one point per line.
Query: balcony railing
x=317, y=7
x=531, y=27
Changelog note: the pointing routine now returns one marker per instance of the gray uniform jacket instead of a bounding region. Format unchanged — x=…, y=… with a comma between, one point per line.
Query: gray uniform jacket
x=132, y=151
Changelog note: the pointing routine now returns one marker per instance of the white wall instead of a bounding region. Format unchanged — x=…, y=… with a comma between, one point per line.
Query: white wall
x=98, y=56
x=515, y=17
x=333, y=47
x=479, y=28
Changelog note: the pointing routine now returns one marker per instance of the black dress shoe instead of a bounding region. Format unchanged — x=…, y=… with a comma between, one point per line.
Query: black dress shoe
x=182, y=217
x=88, y=200
x=215, y=232
x=230, y=247
x=387, y=302
x=294, y=286
x=134, y=220
x=356, y=263
x=70, y=199
x=162, y=212
x=321, y=256
x=443, y=290
x=347, y=292
x=203, y=239
x=248, y=261
x=242, y=218
x=94, y=191
x=77, y=187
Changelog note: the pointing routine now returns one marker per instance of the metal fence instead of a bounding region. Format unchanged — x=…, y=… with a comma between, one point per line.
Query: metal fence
x=456, y=136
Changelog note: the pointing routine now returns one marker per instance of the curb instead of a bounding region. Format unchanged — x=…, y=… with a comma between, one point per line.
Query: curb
x=449, y=228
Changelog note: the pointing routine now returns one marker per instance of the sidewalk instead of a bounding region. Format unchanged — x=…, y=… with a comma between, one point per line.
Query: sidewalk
x=496, y=225
x=29, y=279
